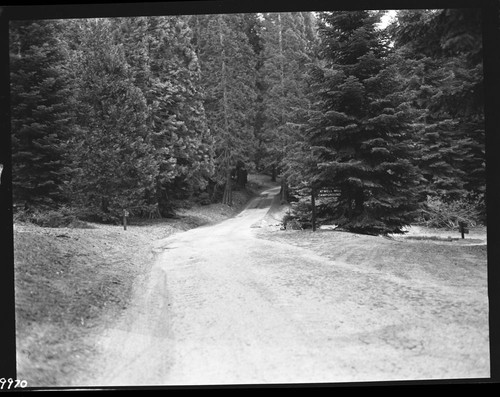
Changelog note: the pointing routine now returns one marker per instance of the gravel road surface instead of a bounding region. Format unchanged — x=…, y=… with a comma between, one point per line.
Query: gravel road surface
x=222, y=306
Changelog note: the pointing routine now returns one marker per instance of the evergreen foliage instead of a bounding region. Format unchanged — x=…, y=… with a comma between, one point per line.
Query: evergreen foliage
x=115, y=163
x=178, y=119
x=147, y=118
x=445, y=50
x=365, y=127
x=40, y=121
x=227, y=62
x=362, y=133
x=286, y=55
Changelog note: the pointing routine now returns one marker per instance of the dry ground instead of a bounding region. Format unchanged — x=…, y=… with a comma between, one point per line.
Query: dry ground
x=426, y=261
x=242, y=302
x=72, y=283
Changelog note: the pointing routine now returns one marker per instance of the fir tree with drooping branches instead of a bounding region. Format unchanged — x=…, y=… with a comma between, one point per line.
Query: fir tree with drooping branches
x=362, y=128
x=227, y=63
x=287, y=52
x=178, y=114
x=444, y=48
x=138, y=79
x=111, y=148
x=40, y=117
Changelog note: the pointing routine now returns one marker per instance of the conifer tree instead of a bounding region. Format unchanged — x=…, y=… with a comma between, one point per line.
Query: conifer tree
x=39, y=113
x=178, y=116
x=116, y=164
x=227, y=64
x=362, y=128
x=146, y=74
x=444, y=48
x=253, y=30
x=287, y=52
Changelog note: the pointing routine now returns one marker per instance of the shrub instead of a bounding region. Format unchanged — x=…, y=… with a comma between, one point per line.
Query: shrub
x=60, y=217
x=299, y=215
x=442, y=214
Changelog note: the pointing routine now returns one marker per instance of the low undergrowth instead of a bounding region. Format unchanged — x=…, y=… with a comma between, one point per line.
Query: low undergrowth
x=438, y=213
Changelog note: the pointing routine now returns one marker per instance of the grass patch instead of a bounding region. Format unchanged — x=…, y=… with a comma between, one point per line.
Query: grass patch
x=65, y=284
x=432, y=238
x=453, y=262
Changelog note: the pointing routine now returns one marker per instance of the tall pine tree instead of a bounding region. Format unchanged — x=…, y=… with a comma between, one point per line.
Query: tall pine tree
x=111, y=151
x=287, y=52
x=177, y=115
x=362, y=129
x=227, y=63
x=138, y=78
x=444, y=50
x=40, y=119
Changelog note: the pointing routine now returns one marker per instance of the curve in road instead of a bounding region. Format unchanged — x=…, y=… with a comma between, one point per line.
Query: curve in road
x=222, y=306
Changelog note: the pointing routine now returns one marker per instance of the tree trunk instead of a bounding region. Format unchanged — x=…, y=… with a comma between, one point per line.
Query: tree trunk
x=313, y=215
x=105, y=205
x=241, y=177
x=273, y=173
x=359, y=201
x=284, y=191
x=228, y=191
x=223, y=77
x=282, y=68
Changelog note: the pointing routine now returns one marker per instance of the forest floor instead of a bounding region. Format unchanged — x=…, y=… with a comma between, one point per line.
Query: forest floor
x=74, y=284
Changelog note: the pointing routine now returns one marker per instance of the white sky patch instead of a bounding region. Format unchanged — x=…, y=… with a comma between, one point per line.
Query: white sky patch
x=387, y=19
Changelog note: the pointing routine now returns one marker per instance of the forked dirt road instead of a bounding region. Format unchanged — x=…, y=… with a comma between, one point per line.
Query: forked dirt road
x=222, y=306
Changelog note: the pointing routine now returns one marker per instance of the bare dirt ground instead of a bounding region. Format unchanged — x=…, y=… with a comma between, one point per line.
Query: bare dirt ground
x=241, y=302
x=72, y=282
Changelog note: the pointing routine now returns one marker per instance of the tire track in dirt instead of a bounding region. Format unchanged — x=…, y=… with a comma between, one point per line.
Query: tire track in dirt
x=229, y=304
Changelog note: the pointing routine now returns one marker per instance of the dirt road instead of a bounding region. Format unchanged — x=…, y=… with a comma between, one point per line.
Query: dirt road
x=222, y=306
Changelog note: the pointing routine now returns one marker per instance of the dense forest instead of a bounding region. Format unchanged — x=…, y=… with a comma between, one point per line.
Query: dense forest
x=370, y=128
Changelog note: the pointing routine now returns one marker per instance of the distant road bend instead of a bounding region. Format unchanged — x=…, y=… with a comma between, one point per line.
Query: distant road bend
x=222, y=306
